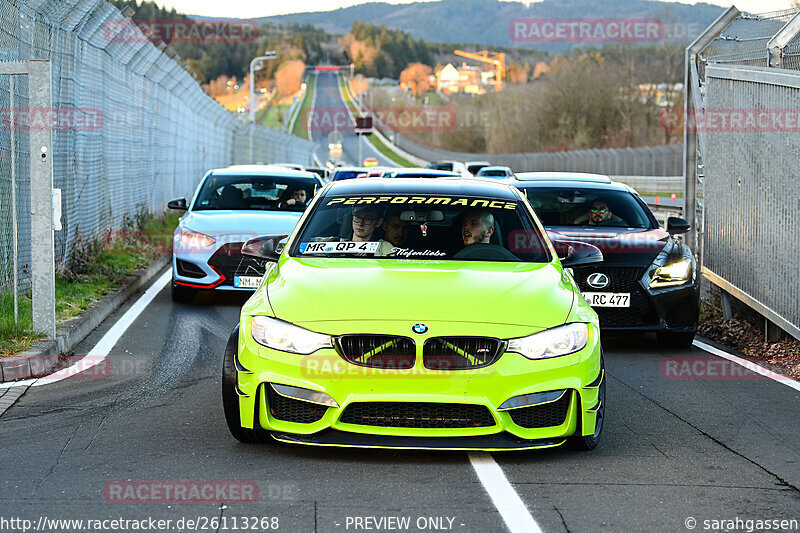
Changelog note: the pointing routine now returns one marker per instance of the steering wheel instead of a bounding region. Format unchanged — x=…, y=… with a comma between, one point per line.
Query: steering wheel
x=488, y=252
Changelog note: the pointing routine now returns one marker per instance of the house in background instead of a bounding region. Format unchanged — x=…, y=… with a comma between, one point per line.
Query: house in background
x=464, y=79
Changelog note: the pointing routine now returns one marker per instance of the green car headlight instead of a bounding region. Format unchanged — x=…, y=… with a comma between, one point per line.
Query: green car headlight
x=672, y=275
x=286, y=337
x=554, y=342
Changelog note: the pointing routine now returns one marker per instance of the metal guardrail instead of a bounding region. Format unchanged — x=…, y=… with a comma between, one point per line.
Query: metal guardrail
x=659, y=185
x=665, y=160
x=663, y=212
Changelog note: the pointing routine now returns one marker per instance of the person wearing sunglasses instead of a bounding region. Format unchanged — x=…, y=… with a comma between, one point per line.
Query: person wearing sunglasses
x=600, y=215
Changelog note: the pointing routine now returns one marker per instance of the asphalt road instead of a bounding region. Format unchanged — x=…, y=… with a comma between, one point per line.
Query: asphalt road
x=671, y=449
x=331, y=109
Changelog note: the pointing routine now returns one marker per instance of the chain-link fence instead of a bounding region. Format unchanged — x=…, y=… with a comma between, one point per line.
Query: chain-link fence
x=131, y=126
x=742, y=123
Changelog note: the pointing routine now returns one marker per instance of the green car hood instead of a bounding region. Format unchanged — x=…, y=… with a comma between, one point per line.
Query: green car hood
x=321, y=289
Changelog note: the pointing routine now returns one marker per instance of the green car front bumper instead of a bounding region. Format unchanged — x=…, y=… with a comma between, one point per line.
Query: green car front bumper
x=468, y=409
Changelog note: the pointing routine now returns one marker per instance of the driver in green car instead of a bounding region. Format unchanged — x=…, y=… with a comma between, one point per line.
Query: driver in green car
x=477, y=227
x=366, y=219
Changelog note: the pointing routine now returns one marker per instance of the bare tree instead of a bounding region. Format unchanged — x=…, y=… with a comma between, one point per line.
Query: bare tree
x=289, y=77
x=416, y=76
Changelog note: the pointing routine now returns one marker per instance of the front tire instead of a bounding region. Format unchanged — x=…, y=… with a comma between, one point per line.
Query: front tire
x=672, y=339
x=590, y=442
x=230, y=399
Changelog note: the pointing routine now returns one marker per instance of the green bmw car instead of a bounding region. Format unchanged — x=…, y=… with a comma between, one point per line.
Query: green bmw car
x=417, y=314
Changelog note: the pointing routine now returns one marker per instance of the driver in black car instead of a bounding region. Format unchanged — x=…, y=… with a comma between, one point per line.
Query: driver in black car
x=477, y=227
x=600, y=215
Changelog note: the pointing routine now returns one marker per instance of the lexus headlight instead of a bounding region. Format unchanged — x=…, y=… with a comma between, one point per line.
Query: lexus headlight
x=672, y=275
x=554, y=342
x=286, y=337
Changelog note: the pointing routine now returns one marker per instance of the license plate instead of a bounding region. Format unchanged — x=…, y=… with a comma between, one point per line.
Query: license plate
x=326, y=247
x=247, y=282
x=608, y=299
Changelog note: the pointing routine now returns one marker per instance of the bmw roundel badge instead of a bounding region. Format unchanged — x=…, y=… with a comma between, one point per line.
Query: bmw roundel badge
x=419, y=329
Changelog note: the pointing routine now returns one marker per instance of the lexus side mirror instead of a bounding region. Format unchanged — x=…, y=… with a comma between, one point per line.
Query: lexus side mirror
x=178, y=203
x=677, y=225
x=267, y=247
x=580, y=254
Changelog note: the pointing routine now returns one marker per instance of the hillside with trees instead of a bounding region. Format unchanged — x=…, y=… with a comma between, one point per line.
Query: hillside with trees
x=210, y=61
x=486, y=22
x=383, y=53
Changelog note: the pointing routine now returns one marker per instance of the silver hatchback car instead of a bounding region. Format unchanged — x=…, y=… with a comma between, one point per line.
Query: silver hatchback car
x=230, y=206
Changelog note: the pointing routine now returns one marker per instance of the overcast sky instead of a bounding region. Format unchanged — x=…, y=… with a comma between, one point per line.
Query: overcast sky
x=248, y=8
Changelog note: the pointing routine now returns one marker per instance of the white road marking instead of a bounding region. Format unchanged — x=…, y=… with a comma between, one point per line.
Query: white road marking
x=503, y=495
x=100, y=350
x=749, y=365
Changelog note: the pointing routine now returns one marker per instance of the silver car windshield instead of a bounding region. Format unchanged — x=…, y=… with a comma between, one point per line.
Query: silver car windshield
x=255, y=193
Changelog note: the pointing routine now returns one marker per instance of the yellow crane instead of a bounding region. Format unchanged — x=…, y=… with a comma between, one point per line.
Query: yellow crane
x=498, y=59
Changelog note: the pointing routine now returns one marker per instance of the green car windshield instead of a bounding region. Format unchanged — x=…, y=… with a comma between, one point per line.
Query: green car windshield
x=404, y=226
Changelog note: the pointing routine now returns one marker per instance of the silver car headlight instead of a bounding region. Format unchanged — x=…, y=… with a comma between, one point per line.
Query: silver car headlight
x=279, y=335
x=555, y=342
x=192, y=240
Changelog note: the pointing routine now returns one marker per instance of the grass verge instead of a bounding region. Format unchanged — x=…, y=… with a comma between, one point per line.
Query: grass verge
x=665, y=196
x=96, y=269
x=383, y=148
x=300, y=128
x=346, y=95
x=273, y=110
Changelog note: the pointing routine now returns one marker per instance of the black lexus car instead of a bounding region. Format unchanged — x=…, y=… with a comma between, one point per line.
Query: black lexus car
x=648, y=278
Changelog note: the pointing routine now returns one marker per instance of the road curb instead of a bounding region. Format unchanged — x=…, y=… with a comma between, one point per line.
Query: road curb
x=43, y=357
